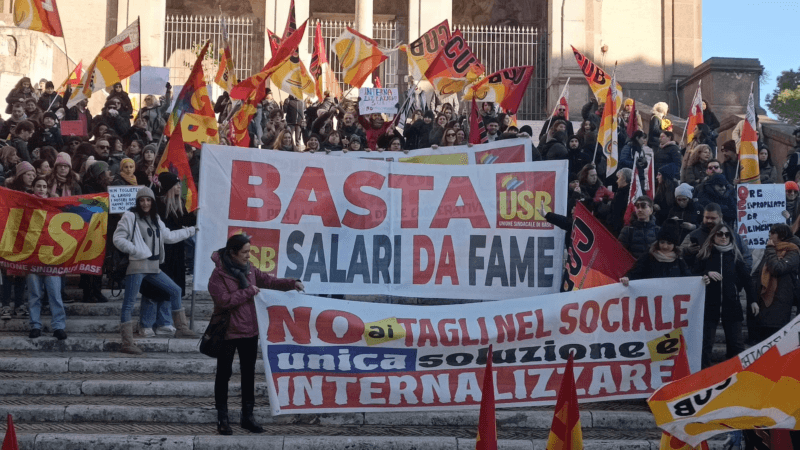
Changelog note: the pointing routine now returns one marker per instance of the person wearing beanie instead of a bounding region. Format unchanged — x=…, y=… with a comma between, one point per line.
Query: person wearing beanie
x=142, y=235
x=23, y=178
x=63, y=181
x=685, y=213
x=418, y=133
x=792, y=202
x=355, y=144
x=663, y=260
x=718, y=190
x=48, y=134
x=127, y=173
x=146, y=169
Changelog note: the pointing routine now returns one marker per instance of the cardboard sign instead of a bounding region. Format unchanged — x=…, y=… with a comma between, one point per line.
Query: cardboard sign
x=73, y=128
x=759, y=206
x=121, y=198
x=378, y=100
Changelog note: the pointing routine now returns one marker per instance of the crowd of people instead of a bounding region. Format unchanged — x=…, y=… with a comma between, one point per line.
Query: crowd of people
x=687, y=228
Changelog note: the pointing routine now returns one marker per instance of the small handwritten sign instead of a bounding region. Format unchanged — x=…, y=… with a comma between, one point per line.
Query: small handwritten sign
x=378, y=100
x=121, y=198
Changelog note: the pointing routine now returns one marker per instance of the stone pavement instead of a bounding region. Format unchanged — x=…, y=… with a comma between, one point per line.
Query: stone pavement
x=82, y=394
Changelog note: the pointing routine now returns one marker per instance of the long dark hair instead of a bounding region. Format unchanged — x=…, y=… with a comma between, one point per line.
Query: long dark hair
x=235, y=244
x=153, y=214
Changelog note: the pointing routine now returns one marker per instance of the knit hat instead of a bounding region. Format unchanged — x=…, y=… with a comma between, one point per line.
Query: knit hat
x=97, y=169
x=150, y=148
x=670, y=232
x=145, y=192
x=628, y=102
x=63, y=159
x=718, y=179
x=51, y=115
x=792, y=186
x=167, y=180
x=23, y=167
x=671, y=171
x=355, y=138
x=124, y=160
x=684, y=190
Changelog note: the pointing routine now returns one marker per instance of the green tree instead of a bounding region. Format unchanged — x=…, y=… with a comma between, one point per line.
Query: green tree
x=784, y=101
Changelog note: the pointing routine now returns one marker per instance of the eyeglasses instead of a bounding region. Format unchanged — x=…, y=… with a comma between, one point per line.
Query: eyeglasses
x=641, y=205
x=450, y=135
x=712, y=168
x=726, y=234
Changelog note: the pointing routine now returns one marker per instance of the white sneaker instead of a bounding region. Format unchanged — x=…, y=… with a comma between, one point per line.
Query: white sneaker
x=146, y=332
x=167, y=330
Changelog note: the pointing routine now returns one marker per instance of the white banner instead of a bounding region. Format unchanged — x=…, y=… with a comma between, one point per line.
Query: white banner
x=323, y=355
x=378, y=100
x=759, y=207
x=353, y=226
x=497, y=152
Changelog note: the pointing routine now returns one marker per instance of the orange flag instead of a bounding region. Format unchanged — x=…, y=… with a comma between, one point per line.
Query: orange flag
x=73, y=79
x=748, y=147
x=565, y=433
x=695, y=114
x=680, y=370
x=506, y=87
x=38, y=15
x=174, y=160
x=598, y=79
x=487, y=422
x=324, y=78
x=358, y=55
x=10, y=441
x=193, y=110
x=454, y=67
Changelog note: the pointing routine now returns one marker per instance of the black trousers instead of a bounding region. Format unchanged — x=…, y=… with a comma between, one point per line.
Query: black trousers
x=248, y=352
x=734, y=342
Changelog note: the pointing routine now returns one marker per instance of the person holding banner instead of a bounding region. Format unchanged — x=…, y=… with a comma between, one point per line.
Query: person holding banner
x=142, y=235
x=774, y=280
x=663, y=260
x=233, y=285
x=724, y=272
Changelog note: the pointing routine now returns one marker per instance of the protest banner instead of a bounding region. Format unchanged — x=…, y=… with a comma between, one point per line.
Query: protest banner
x=759, y=206
x=378, y=100
x=121, y=198
x=53, y=236
x=497, y=152
x=356, y=226
x=755, y=390
x=324, y=355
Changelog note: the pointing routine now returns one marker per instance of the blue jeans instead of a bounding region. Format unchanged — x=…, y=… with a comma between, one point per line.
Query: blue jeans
x=160, y=280
x=37, y=285
x=154, y=313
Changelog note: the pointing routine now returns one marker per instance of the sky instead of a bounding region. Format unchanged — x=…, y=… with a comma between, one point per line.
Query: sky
x=774, y=38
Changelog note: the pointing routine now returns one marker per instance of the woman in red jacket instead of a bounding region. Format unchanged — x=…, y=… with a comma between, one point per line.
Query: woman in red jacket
x=233, y=285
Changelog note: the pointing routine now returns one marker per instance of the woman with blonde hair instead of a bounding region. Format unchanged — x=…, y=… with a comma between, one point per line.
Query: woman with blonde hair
x=693, y=171
x=658, y=123
x=285, y=142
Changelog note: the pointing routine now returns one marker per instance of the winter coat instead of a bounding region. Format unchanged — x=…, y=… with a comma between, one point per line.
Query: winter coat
x=654, y=132
x=694, y=175
x=768, y=173
x=240, y=303
x=46, y=100
x=127, y=243
x=616, y=219
x=293, y=108
x=726, y=201
x=690, y=214
x=628, y=154
x=22, y=148
x=16, y=95
x=669, y=154
x=638, y=236
x=648, y=267
x=785, y=269
x=553, y=150
x=700, y=235
x=725, y=294
x=545, y=126
x=710, y=119
x=154, y=116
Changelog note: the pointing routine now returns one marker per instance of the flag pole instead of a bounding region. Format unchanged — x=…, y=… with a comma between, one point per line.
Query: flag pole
x=139, y=24
x=686, y=127
x=549, y=120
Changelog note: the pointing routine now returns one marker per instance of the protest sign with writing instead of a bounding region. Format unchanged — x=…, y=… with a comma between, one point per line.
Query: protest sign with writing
x=53, y=236
x=356, y=226
x=378, y=100
x=759, y=207
x=324, y=355
x=497, y=152
x=121, y=198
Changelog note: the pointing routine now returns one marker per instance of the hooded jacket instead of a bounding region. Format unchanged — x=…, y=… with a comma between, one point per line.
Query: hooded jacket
x=240, y=303
x=726, y=200
x=638, y=236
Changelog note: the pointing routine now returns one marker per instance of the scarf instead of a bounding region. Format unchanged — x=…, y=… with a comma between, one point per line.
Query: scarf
x=61, y=182
x=724, y=248
x=129, y=178
x=664, y=257
x=769, y=282
x=237, y=270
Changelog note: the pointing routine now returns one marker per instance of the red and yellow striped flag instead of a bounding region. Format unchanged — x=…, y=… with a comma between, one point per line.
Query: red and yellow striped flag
x=607, y=134
x=174, y=160
x=358, y=55
x=565, y=433
x=695, y=114
x=38, y=15
x=748, y=147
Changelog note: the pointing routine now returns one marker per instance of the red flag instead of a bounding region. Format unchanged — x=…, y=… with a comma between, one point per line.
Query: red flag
x=487, y=421
x=38, y=15
x=506, y=87
x=695, y=114
x=477, y=130
x=274, y=41
x=174, y=160
x=565, y=433
x=633, y=124
x=10, y=441
x=454, y=67
x=587, y=266
x=193, y=110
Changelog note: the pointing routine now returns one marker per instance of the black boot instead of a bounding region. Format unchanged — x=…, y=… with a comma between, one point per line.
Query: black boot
x=88, y=296
x=223, y=427
x=248, y=421
x=98, y=295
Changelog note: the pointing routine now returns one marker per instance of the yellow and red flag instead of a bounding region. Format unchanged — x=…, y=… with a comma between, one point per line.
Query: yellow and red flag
x=598, y=79
x=226, y=76
x=565, y=433
x=253, y=89
x=73, y=79
x=680, y=370
x=324, y=78
x=487, y=421
x=193, y=109
x=586, y=266
x=695, y=114
x=274, y=41
x=174, y=160
x=38, y=15
x=748, y=147
x=755, y=390
x=455, y=67
x=358, y=55
x=293, y=77
x=119, y=59
x=423, y=51
x=607, y=134
x=506, y=87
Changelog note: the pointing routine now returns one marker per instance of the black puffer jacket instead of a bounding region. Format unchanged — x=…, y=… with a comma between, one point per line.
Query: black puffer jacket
x=638, y=236
x=724, y=294
x=648, y=267
x=669, y=154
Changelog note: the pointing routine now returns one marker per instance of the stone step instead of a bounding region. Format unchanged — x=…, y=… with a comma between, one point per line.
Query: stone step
x=93, y=342
x=102, y=324
x=113, y=308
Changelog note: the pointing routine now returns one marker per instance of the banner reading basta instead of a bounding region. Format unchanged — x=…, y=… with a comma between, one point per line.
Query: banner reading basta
x=53, y=236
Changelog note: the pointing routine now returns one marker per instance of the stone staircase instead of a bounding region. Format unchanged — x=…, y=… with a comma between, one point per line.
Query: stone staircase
x=81, y=393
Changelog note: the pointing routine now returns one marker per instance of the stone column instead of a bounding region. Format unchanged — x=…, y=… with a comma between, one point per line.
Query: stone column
x=364, y=26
